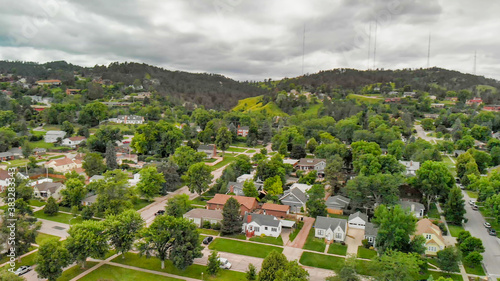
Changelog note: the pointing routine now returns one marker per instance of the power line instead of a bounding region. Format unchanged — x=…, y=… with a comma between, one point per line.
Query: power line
x=429, y=51
x=475, y=61
x=303, y=47
x=375, y=46
x=369, y=44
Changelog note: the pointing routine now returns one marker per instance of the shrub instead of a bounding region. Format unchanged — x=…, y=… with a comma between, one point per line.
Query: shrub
x=216, y=226
x=365, y=243
x=206, y=224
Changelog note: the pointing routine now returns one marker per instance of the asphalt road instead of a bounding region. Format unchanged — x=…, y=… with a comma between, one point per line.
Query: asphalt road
x=491, y=256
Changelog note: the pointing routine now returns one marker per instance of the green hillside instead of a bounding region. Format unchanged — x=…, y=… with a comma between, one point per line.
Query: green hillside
x=255, y=104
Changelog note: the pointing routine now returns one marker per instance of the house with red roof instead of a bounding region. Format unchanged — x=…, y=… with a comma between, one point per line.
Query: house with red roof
x=247, y=204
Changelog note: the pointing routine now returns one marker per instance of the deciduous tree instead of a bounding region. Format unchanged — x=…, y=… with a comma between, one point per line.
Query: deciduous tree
x=87, y=239
x=198, y=177
x=93, y=164
x=395, y=226
x=151, y=182
x=178, y=205
x=51, y=258
x=123, y=229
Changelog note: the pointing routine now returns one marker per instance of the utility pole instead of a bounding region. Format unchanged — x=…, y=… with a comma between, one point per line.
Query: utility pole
x=375, y=45
x=475, y=61
x=429, y=51
x=303, y=47
x=369, y=44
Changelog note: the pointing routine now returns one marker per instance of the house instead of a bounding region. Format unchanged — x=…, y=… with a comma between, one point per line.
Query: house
x=210, y=150
x=257, y=224
x=72, y=91
x=496, y=135
x=302, y=186
x=358, y=220
x=393, y=93
x=64, y=165
x=96, y=178
x=479, y=144
x=17, y=152
x=136, y=178
x=337, y=204
x=433, y=97
x=73, y=141
x=309, y=164
x=237, y=187
x=392, y=100
x=455, y=99
x=53, y=136
x=5, y=176
x=473, y=101
x=434, y=241
x=139, y=96
x=409, y=94
x=199, y=216
x=242, y=131
x=247, y=204
x=39, y=151
x=48, y=82
x=292, y=162
x=48, y=189
x=6, y=156
x=411, y=167
x=371, y=233
x=416, y=208
x=437, y=105
x=494, y=108
x=280, y=211
x=294, y=198
x=331, y=229
x=244, y=178
x=458, y=152
x=89, y=199
x=117, y=103
x=127, y=119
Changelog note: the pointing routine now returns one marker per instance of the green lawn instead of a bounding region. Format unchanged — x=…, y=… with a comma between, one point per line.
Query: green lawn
x=313, y=243
x=268, y=239
x=436, y=275
x=472, y=194
x=109, y=272
x=454, y=229
x=16, y=163
x=36, y=203
x=141, y=203
x=211, y=160
x=235, y=149
x=210, y=232
x=338, y=216
x=296, y=231
x=227, y=159
x=337, y=249
x=240, y=236
x=433, y=212
x=193, y=271
x=243, y=248
x=365, y=253
x=199, y=201
x=74, y=271
x=41, y=238
x=60, y=217
x=41, y=144
x=476, y=270
x=250, y=151
x=322, y=261
x=449, y=163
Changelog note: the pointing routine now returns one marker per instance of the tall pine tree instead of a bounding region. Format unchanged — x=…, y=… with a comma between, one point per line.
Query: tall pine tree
x=454, y=209
x=231, y=217
x=111, y=156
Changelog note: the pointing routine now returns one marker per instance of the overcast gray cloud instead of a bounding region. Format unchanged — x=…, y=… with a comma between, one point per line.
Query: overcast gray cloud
x=255, y=40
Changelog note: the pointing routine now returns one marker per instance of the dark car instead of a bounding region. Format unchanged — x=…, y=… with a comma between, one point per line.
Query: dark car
x=492, y=232
x=207, y=240
x=160, y=212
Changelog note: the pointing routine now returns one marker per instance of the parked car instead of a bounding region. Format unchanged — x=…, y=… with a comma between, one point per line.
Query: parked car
x=224, y=263
x=22, y=270
x=492, y=232
x=487, y=224
x=472, y=202
x=475, y=208
x=160, y=212
x=207, y=240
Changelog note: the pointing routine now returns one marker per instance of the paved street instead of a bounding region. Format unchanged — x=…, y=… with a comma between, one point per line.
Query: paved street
x=148, y=212
x=491, y=244
x=54, y=228
x=423, y=135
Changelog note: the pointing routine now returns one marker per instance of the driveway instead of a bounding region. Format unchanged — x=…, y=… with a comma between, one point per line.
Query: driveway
x=491, y=256
x=353, y=240
x=301, y=237
x=238, y=262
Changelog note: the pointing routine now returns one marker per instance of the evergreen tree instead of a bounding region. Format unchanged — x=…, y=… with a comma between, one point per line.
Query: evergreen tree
x=251, y=273
x=213, y=265
x=454, y=209
x=271, y=265
x=51, y=208
x=111, y=156
x=231, y=222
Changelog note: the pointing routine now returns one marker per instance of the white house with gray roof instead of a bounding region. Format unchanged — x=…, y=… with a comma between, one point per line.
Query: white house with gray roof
x=294, y=198
x=257, y=224
x=358, y=220
x=411, y=167
x=415, y=208
x=371, y=233
x=331, y=229
x=53, y=136
x=337, y=203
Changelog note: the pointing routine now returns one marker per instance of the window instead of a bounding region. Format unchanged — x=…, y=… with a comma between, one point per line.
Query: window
x=338, y=235
x=265, y=227
x=320, y=232
x=431, y=249
x=250, y=227
x=370, y=239
x=428, y=236
x=257, y=229
x=274, y=229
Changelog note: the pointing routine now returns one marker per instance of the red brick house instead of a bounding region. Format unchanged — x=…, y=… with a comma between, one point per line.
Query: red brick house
x=247, y=204
x=276, y=210
x=243, y=131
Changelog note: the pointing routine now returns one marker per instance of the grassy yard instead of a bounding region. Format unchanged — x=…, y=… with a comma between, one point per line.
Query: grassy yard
x=472, y=194
x=455, y=229
x=240, y=236
x=210, y=232
x=363, y=267
x=268, y=239
x=243, y=248
x=16, y=163
x=313, y=243
x=235, y=149
x=337, y=249
x=60, y=217
x=449, y=163
x=365, y=253
x=41, y=238
x=41, y=144
x=109, y=272
x=141, y=203
x=36, y=203
x=296, y=231
x=199, y=201
x=338, y=216
x=476, y=270
x=250, y=151
x=433, y=212
x=211, y=160
x=436, y=275
x=227, y=159
x=74, y=271
x=193, y=271
x=322, y=261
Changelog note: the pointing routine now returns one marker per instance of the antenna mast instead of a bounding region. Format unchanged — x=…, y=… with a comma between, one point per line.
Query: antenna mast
x=475, y=61
x=369, y=44
x=375, y=45
x=303, y=47
x=429, y=51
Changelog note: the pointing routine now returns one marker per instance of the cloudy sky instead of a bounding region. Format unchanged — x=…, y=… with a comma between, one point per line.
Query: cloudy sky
x=255, y=40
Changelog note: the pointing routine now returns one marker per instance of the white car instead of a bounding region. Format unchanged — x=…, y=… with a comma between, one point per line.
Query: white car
x=22, y=270
x=487, y=225
x=472, y=202
x=224, y=263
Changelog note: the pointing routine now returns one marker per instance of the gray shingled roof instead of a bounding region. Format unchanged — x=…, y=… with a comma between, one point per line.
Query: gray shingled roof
x=407, y=205
x=297, y=193
x=338, y=202
x=266, y=220
x=203, y=147
x=237, y=187
x=330, y=223
x=370, y=229
x=46, y=186
x=359, y=214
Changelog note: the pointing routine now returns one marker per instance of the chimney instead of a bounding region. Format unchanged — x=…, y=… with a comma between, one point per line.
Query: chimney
x=215, y=151
x=411, y=163
x=412, y=207
x=249, y=218
x=231, y=189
